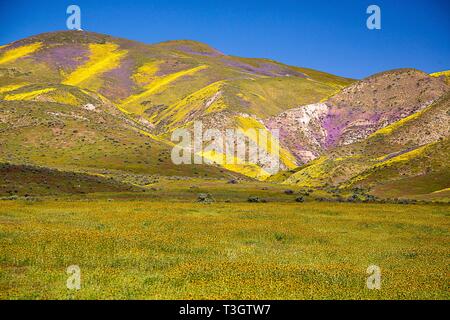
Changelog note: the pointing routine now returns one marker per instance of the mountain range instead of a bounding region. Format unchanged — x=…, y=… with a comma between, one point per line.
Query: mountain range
x=93, y=110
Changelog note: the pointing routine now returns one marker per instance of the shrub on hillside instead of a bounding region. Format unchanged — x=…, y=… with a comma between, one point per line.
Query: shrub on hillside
x=255, y=199
x=205, y=198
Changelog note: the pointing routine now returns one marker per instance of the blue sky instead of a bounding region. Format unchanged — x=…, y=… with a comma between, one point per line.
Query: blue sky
x=325, y=35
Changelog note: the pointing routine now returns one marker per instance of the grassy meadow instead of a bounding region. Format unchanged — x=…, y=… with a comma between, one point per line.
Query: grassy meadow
x=161, y=249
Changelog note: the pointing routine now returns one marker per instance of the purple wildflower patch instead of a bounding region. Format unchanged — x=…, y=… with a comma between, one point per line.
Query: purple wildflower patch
x=66, y=57
x=118, y=83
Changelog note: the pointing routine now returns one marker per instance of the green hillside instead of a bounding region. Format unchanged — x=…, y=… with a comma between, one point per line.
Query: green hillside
x=156, y=88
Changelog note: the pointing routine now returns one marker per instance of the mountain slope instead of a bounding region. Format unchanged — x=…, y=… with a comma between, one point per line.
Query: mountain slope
x=158, y=87
x=414, y=148
x=29, y=181
x=73, y=129
x=443, y=75
x=92, y=103
x=356, y=111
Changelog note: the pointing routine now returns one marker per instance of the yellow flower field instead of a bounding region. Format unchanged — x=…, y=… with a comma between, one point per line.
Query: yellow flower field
x=129, y=249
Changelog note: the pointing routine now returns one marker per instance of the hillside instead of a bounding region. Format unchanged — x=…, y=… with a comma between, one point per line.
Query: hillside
x=98, y=105
x=356, y=112
x=408, y=157
x=28, y=181
x=445, y=75
x=151, y=89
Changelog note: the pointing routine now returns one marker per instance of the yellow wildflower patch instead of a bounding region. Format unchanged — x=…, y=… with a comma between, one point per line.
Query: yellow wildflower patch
x=442, y=73
x=206, y=97
x=309, y=176
x=442, y=190
x=64, y=98
x=406, y=156
x=159, y=83
x=12, y=87
x=146, y=72
x=246, y=123
x=248, y=169
x=171, y=249
x=394, y=126
x=446, y=74
x=16, y=53
x=103, y=57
